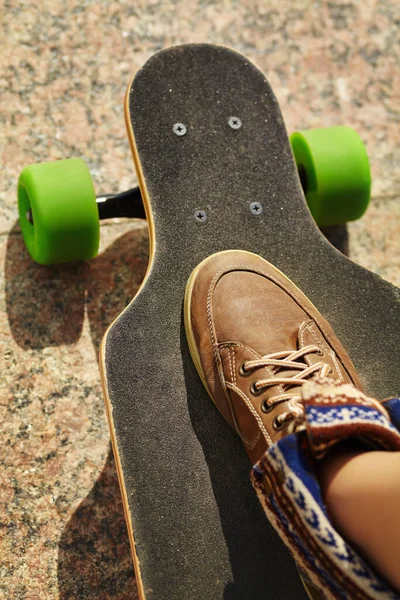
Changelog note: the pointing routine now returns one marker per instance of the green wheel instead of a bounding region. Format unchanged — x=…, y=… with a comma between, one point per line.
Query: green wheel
x=334, y=172
x=58, y=211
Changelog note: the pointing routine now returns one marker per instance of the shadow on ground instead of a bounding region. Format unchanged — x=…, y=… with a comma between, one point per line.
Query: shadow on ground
x=338, y=236
x=46, y=304
x=94, y=559
x=46, y=307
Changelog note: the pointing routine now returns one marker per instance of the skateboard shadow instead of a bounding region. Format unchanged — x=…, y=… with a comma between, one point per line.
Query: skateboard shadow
x=46, y=304
x=45, y=307
x=113, y=280
x=338, y=236
x=94, y=559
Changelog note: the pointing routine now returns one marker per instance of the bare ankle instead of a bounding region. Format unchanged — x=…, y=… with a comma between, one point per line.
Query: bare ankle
x=363, y=507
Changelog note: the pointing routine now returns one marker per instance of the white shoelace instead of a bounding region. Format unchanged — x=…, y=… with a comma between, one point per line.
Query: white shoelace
x=288, y=359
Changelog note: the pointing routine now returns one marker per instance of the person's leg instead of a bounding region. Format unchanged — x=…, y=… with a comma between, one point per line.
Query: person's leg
x=362, y=494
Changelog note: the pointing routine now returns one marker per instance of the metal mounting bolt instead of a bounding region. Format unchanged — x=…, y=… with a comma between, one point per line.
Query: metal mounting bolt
x=256, y=208
x=200, y=216
x=235, y=122
x=179, y=129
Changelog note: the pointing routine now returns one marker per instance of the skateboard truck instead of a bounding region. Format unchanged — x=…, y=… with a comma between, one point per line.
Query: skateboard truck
x=125, y=204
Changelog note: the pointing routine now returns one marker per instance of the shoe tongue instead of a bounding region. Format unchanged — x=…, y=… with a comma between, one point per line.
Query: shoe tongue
x=254, y=311
x=262, y=340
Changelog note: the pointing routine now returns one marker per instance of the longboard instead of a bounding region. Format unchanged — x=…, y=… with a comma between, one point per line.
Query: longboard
x=216, y=172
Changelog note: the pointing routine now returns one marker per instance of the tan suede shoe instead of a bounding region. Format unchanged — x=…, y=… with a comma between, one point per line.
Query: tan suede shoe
x=255, y=339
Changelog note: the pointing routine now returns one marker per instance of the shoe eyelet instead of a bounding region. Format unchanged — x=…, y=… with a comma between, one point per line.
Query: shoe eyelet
x=243, y=371
x=320, y=352
x=254, y=390
x=265, y=407
x=277, y=425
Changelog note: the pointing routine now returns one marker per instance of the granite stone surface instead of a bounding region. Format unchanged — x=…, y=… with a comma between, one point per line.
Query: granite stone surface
x=64, y=68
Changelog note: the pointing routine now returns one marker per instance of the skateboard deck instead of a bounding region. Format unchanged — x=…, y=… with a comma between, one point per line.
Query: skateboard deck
x=195, y=525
